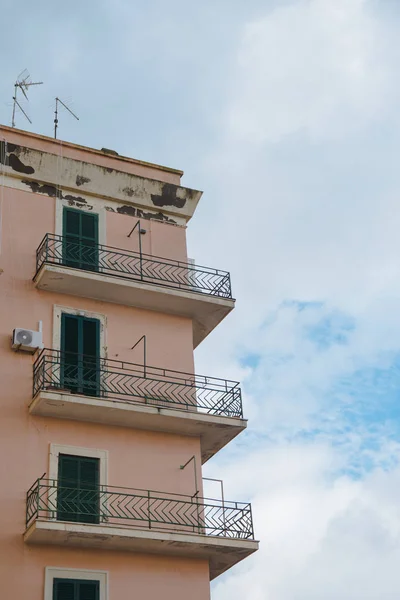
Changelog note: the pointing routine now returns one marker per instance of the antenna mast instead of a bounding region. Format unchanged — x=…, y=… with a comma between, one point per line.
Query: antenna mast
x=56, y=115
x=23, y=84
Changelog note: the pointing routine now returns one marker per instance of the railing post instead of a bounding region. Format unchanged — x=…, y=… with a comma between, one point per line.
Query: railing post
x=148, y=507
x=46, y=248
x=251, y=521
x=37, y=499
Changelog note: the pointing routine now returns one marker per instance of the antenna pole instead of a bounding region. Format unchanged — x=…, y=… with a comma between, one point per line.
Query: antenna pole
x=58, y=100
x=56, y=119
x=23, y=83
x=14, y=104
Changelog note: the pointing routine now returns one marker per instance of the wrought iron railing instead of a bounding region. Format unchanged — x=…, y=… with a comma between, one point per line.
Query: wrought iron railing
x=59, y=250
x=134, y=383
x=48, y=499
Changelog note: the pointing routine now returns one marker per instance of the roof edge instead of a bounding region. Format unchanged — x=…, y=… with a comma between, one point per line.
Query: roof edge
x=72, y=145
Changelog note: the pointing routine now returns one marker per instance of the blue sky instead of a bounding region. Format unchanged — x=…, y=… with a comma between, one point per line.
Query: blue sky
x=286, y=114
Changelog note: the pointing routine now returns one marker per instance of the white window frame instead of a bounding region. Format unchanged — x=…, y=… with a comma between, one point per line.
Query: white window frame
x=52, y=573
x=102, y=455
x=58, y=310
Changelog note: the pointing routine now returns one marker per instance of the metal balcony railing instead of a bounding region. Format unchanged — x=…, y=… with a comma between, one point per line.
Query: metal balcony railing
x=59, y=250
x=48, y=499
x=134, y=383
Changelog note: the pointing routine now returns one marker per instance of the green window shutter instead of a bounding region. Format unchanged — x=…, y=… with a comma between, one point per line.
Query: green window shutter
x=76, y=589
x=68, y=470
x=80, y=235
x=64, y=589
x=78, y=494
x=80, y=347
x=89, y=590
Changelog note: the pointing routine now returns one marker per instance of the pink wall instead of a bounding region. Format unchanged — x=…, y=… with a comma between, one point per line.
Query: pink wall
x=161, y=239
x=137, y=459
x=131, y=576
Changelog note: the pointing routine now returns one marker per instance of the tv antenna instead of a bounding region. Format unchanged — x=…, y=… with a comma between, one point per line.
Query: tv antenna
x=23, y=83
x=58, y=100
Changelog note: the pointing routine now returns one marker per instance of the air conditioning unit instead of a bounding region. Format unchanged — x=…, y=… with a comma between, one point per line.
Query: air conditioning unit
x=27, y=340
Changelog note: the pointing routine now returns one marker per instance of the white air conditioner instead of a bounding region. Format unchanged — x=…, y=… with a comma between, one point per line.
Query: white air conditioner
x=27, y=340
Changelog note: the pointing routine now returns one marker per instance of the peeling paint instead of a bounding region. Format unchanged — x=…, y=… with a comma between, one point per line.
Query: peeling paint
x=81, y=180
x=17, y=165
x=129, y=191
x=168, y=197
x=8, y=157
x=76, y=199
x=140, y=214
x=148, y=195
x=5, y=148
x=37, y=188
x=52, y=191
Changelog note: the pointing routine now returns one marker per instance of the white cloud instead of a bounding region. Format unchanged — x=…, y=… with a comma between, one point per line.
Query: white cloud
x=321, y=536
x=307, y=209
x=310, y=66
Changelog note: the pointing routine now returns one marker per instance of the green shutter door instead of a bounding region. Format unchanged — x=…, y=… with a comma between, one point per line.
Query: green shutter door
x=78, y=489
x=75, y=589
x=80, y=354
x=80, y=246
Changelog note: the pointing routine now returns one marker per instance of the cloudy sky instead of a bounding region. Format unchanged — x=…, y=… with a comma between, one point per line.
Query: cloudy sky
x=286, y=112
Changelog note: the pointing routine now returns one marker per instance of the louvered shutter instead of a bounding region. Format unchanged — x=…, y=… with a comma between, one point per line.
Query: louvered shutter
x=89, y=590
x=64, y=589
x=89, y=490
x=78, y=489
x=80, y=345
x=80, y=231
x=75, y=589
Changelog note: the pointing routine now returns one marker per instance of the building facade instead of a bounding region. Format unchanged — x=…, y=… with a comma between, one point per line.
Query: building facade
x=104, y=424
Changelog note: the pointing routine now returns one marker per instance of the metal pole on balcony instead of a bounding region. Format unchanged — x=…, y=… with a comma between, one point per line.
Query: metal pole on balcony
x=140, y=232
x=144, y=352
x=222, y=500
x=140, y=253
x=196, y=493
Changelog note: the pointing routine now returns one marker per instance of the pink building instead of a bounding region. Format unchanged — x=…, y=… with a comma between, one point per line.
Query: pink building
x=104, y=424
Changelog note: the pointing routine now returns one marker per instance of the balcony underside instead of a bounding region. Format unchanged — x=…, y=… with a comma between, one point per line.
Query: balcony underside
x=222, y=553
x=205, y=310
x=214, y=431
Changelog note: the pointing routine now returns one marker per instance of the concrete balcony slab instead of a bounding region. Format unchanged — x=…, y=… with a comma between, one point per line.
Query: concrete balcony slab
x=214, y=431
x=205, y=310
x=221, y=552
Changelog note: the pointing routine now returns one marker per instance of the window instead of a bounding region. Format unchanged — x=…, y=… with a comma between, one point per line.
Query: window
x=80, y=354
x=75, y=584
x=75, y=589
x=80, y=239
x=78, y=489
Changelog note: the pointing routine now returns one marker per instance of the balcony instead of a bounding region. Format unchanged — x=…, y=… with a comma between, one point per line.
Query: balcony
x=135, y=279
x=70, y=386
x=144, y=521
